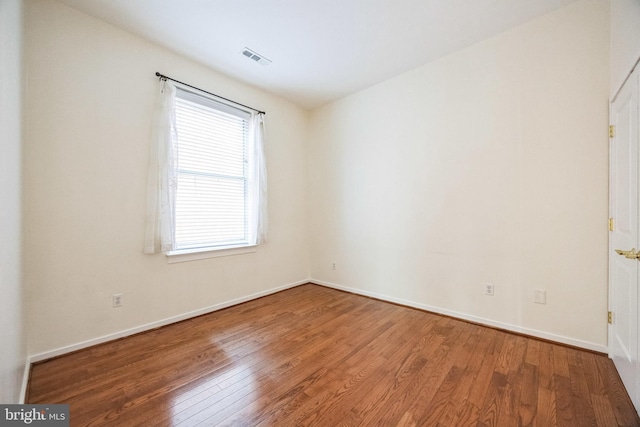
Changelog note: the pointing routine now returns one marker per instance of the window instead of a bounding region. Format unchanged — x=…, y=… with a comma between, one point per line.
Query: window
x=212, y=195
x=207, y=179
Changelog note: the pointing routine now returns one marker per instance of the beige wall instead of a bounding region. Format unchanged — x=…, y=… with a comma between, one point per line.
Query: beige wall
x=12, y=330
x=625, y=39
x=90, y=93
x=486, y=166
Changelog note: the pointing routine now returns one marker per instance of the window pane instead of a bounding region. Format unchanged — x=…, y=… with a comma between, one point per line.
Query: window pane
x=210, y=211
x=208, y=134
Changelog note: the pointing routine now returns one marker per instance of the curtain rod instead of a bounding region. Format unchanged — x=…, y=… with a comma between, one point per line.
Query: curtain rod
x=162, y=76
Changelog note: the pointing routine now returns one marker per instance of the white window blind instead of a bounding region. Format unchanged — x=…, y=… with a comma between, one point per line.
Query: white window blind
x=213, y=159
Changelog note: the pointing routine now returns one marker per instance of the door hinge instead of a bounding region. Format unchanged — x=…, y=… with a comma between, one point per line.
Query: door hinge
x=612, y=131
x=610, y=317
x=612, y=226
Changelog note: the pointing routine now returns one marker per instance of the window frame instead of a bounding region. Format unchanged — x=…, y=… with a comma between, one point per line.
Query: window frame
x=218, y=250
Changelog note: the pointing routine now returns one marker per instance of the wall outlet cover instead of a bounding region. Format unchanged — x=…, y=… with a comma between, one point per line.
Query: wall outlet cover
x=540, y=296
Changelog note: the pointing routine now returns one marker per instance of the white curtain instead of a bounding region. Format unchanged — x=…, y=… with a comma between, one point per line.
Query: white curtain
x=258, y=182
x=162, y=177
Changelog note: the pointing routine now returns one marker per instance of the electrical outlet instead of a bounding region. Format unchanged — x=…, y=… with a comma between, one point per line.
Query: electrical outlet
x=333, y=265
x=488, y=289
x=540, y=296
x=117, y=300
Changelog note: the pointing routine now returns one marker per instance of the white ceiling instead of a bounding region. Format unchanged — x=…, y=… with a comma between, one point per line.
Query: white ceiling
x=321, y=50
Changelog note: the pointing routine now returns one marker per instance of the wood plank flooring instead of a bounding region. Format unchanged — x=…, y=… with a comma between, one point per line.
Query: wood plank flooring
x=316, y=356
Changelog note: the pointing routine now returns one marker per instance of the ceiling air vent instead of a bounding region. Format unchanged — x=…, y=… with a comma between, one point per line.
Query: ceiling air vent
x=254, y=56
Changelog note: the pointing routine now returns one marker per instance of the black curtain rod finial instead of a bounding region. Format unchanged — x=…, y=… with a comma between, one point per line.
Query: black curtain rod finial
x=162, y=76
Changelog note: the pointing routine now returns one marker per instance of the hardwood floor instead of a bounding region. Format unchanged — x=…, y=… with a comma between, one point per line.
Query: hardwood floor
x=316, y=356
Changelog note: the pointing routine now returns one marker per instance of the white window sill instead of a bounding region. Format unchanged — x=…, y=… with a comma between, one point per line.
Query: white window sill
x=197, y=254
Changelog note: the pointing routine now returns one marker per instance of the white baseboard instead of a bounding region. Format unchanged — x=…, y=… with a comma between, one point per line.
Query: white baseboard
x=142, y=328
x=121, y=334
x=501, y=325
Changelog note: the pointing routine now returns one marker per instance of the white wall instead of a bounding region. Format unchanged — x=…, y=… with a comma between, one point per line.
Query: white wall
x=12, y=349
x=89, y=97
x=625, y=39
x=487, y=166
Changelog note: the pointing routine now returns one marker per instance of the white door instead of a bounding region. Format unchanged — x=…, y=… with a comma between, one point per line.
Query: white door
x=623, y=268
